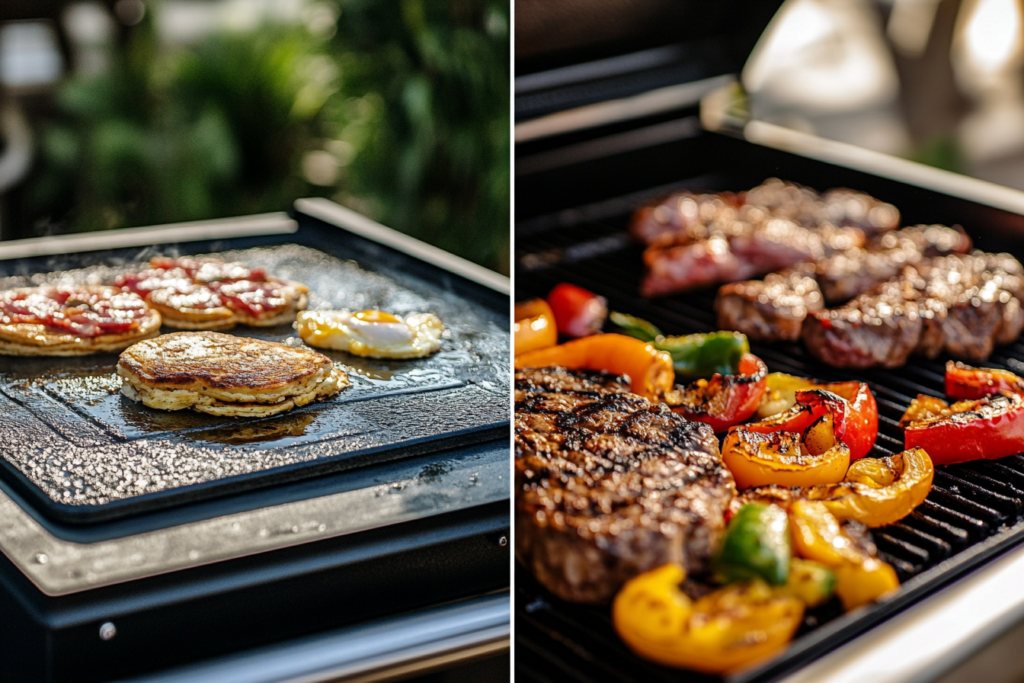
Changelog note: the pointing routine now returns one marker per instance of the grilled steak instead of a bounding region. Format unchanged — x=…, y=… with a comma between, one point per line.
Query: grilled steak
x=609, y=486
x=698, y=240
x=962, y=305
x=770, y=309
x=840, y=207
x=846, y=274
x=738, y=251
x=878, y=329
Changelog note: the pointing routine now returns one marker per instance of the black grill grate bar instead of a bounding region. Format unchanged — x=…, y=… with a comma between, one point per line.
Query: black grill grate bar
x=1008, y=508
x=956, y=537
x=1000, y=471
x=934, y=547
x=904, y=569
x=1014, y=463
x=995, y=484
x=948, y=501
x=900, y=548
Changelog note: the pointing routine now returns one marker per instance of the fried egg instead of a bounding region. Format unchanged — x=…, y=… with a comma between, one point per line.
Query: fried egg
x=374, y=334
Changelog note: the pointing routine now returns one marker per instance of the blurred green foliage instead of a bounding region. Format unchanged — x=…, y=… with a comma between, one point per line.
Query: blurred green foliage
x=397, y=109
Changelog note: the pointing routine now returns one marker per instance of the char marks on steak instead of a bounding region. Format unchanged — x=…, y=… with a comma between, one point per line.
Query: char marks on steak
x=609, y=486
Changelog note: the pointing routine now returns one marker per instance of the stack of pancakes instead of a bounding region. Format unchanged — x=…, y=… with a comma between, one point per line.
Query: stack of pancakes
x=221, y=374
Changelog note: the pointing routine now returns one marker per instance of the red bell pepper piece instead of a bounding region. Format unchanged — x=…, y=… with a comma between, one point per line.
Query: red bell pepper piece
x=723, y=400
x=811, y=404
x=578, y=312
x=990, y=427
x=965, y=382
x=988, y=423
x=861, y=416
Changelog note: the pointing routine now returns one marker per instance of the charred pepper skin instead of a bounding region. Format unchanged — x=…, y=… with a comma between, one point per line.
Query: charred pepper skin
x=723, y=400
x=988, y=424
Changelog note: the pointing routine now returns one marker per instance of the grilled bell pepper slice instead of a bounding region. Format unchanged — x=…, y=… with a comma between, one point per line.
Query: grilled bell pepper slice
x=578, y=311
x=649, y=370
x=534, y=326
x=694, y=356
x=733, y=627
x=811, y=582
x=783, y=458
x=879, y=491
x=965, y=382
x=987, y=423
x=723, y=400
x=780, y=393
x=989, y=427
x=861, y=415
x=818, y=536
x=755, y=546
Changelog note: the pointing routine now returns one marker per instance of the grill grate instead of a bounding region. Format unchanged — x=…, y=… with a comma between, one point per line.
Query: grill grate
x=968, y=503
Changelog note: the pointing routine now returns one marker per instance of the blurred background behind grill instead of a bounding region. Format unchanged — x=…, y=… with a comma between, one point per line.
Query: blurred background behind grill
x=137, y=112
x=935, y=81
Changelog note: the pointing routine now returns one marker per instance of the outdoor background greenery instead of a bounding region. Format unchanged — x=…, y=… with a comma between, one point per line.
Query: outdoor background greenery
x=398, y=109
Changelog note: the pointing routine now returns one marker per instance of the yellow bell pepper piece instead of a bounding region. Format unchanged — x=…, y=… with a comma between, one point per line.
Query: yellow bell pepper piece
x=780, y=393
x=818, y=536
x=731, y=628
x=759, y=459
x=879, y=491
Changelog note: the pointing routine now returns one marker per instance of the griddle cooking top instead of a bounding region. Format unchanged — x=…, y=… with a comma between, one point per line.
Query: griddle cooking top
x=71, y=440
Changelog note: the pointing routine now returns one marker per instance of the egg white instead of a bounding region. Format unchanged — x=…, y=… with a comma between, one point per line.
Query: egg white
x=413, y=337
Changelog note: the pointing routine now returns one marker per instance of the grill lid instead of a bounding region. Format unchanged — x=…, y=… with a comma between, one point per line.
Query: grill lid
x=571, y=53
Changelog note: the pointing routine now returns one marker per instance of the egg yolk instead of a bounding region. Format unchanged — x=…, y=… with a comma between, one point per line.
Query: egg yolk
x=375, y=317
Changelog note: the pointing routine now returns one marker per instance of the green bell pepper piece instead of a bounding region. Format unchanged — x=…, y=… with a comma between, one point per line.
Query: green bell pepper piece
x=694, y=356
x=756, y=545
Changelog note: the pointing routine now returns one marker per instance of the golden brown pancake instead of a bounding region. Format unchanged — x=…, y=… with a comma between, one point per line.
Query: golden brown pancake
x=211, y=294
x=21, y=337
x=225, y=375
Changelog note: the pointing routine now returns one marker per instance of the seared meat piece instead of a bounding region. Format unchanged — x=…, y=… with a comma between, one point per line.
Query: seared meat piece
x=840, y=207
x=961, y=305
x=880, y=328
x=699, y=240
x=609, y=486
x=771, y=309
x=683, y=217
x=846, y=274
x=736, y=252
x=927, y=240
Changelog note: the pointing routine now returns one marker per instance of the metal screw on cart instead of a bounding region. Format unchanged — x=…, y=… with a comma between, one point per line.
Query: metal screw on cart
x=503, y=541
x=108, y=631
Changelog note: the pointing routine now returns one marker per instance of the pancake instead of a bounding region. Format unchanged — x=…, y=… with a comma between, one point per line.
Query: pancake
x=79, y=320
x=222, y=374
x=212, y=294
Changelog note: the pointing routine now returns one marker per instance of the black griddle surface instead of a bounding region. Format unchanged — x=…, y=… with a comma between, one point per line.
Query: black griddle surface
x=82, y=451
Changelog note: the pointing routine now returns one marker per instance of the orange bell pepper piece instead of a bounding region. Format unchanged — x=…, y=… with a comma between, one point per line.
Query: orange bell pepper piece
x=534, y=326
x=649, y=370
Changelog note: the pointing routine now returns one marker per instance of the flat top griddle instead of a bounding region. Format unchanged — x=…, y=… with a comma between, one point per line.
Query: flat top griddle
x=574, y=228
x=80, y=451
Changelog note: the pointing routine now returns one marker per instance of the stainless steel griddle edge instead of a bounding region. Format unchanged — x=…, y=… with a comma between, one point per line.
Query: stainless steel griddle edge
x=60, y=567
